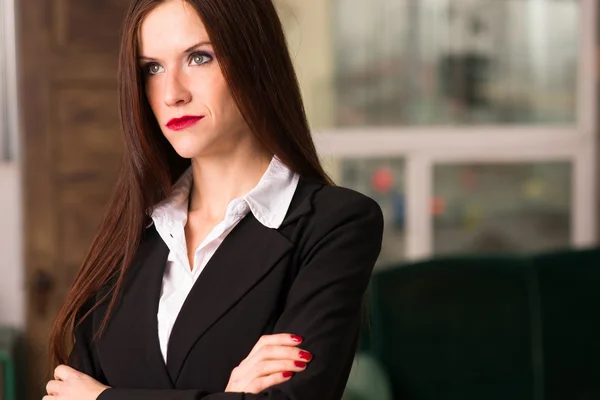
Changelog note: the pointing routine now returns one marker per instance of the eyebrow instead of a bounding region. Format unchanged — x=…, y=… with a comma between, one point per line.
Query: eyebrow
x=188, y=50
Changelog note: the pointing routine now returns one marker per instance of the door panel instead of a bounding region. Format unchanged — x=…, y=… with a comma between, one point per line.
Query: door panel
x=68, y=53
x=86, y=121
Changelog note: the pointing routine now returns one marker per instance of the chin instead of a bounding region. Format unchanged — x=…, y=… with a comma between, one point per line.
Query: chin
x=188, y=147
x=188, y=152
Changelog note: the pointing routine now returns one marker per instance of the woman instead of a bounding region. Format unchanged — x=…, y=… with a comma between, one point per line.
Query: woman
x=228, y=265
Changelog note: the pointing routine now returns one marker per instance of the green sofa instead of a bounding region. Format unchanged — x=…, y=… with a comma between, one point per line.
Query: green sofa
x=493, y=327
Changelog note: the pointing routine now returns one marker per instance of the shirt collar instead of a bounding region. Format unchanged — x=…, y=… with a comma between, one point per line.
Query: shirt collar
x=268, y=201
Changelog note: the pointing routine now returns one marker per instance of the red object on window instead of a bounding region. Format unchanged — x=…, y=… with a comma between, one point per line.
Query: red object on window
x=382, y=180
x=438, y=206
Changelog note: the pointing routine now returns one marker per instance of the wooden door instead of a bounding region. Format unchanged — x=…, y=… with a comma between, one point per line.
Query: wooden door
x=68, y=52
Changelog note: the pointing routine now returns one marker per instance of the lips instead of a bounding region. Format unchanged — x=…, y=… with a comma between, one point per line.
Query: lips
x=178, y=124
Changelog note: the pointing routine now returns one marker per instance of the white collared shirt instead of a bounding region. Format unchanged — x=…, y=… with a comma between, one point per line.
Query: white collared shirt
x=268, y=201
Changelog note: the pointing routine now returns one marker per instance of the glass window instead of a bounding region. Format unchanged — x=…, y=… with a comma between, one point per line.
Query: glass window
x=442, y=62
x=497, y=208
x=383, y=180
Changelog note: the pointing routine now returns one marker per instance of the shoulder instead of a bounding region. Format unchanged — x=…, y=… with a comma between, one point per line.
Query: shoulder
x=340, y=201
x=338, y=208
x=343, y=226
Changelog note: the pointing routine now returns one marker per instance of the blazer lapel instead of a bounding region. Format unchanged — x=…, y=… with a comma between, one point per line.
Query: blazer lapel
x=142, y=291
x=154, y=263
x=247, y=254
x=302, y=202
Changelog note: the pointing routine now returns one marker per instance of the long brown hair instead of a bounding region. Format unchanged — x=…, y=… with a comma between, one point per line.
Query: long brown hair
x=250, y=46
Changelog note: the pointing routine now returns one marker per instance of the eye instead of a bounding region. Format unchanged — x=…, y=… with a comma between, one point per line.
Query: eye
x=154, y=68
x=200, y=58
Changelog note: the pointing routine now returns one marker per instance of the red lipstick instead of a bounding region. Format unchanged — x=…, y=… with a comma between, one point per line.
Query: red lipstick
x=178, y=124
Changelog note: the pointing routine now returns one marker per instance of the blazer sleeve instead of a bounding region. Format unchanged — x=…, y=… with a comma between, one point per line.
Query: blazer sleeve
x=323, y=306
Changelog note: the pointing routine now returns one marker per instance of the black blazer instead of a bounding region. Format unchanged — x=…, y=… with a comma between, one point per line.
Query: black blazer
x=307, y=278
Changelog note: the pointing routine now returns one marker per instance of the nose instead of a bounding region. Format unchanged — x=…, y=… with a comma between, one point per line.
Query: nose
x=176, y=90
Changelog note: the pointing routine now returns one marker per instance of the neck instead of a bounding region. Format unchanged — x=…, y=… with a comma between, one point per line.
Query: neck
x=218, y=180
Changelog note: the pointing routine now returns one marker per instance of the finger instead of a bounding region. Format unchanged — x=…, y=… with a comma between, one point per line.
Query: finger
x=281, y=339
x=248, y=373
x=280, y=353
x=64, y=372
x=263, y=383
x=267, y=368
x=271, y=359
x=53, y=388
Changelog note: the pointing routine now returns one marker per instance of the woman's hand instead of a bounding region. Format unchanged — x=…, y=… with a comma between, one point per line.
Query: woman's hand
x=272, y=361
x=70, y=384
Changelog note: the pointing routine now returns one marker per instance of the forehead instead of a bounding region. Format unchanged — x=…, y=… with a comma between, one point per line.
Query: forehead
x=170, y=26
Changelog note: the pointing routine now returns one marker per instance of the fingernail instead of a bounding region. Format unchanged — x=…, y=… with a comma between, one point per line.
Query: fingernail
x=300, y=364
x=287, y=374
x=305, y=355
x=296, y=338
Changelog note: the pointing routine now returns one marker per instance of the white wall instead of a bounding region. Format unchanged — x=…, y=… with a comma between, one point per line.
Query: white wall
x=12, y=309
x=307, y=25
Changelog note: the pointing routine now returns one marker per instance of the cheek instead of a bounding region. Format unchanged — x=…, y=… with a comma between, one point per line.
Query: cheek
x=152, y=95
x=217, y=93
x=227, y=104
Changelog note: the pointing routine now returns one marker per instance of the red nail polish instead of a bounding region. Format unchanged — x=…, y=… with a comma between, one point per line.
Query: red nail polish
x=287, y=374
x=296, y=338
x=300, y=364
x=305, y=355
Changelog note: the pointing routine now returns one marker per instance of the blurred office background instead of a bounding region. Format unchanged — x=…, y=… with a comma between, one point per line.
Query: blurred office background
x=473, y=123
